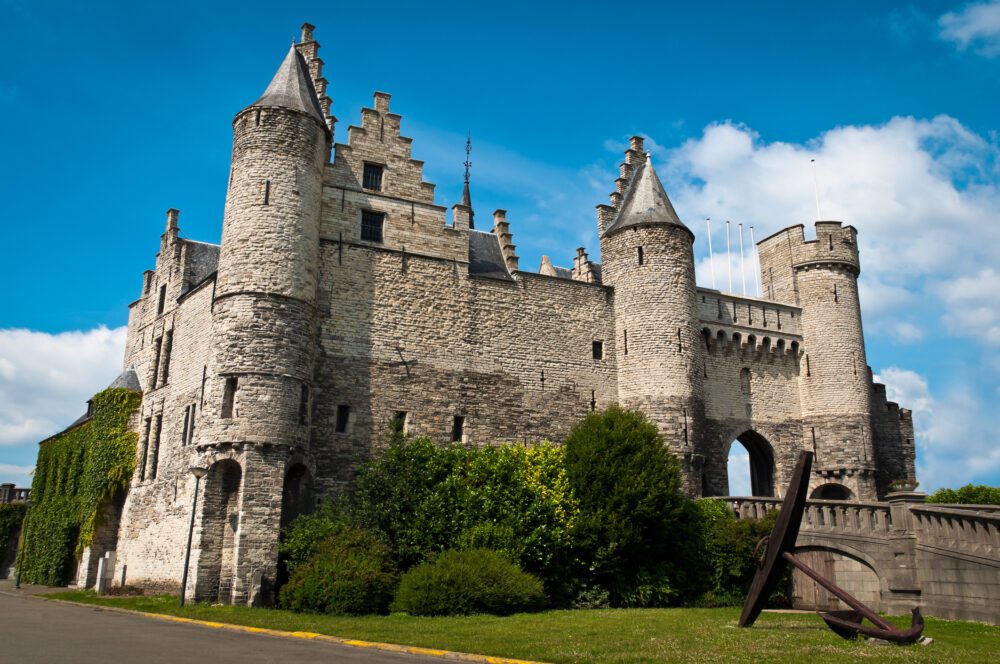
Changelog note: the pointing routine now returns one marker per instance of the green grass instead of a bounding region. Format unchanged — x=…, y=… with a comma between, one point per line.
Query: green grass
x=613, y=636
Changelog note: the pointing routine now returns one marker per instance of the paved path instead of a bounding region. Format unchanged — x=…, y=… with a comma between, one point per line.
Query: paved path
x=34, y=630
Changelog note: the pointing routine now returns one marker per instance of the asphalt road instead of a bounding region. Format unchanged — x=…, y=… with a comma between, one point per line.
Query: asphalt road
x=33, y=631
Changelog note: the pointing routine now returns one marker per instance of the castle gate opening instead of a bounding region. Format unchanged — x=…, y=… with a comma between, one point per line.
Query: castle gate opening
x=761, y=462
x=220, y=516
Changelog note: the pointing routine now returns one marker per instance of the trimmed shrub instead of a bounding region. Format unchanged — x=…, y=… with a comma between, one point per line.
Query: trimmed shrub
x=637, y=532
x=351, y=573
x=467, y=582
x=970, y=494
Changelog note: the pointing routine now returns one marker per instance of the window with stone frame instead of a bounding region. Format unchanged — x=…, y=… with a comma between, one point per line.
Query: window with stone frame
x=598, y=350
x=343, y=418
x=304, y=405
x=371, y=178
x=162, y=303
x=229, y=396
x=458, y=429
x=371, y=226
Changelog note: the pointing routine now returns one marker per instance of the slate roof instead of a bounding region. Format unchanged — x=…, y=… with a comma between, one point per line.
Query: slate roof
x=292, y=87
x=485, y=257
x=646, y=202
x=203, y=259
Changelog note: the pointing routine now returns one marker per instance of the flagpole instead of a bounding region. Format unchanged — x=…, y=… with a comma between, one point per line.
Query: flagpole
x=711, y=260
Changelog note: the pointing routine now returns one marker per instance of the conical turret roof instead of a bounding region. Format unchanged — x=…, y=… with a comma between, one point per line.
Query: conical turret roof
x=292, y=87
x=646, y=202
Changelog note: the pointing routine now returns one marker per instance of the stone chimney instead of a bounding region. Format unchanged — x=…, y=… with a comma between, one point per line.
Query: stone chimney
x=460, y=217
x=582, y=267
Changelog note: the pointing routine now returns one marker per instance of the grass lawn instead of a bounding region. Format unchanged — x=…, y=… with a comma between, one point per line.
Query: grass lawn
x=621, y=635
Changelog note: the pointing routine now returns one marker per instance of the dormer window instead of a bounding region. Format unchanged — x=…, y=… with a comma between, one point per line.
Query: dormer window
x=372, y=178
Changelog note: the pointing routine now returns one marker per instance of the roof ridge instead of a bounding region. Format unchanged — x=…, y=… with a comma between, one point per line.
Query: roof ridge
x=645, y=201
x=292, y=87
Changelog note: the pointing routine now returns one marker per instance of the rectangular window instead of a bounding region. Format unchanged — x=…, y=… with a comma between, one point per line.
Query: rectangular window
x=371, y=226
x=399, y=424
x=163, y=299
x=304, y=405
x=372, y=178
x=145, y=449
x=187, y=432
x=168, y=342
x=598, y=350
x=458, y=429
x=194, y=411
x=154, y=453
x=626, y=342
x=229, y=396
x=343, y=418
x=156, y=364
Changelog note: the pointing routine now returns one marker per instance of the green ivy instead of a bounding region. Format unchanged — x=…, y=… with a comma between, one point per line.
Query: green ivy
x=11, y=516
x=79, y=473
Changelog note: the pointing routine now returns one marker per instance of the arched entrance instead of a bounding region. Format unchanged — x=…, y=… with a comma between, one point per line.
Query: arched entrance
x=219, y=528
x=296, y=494
x=831, y=491
x=751, y=465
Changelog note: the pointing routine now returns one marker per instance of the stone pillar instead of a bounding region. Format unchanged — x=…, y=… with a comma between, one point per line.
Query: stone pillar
x=901, y=569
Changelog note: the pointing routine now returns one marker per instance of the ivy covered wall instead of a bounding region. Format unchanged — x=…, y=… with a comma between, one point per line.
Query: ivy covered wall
x=79, y=473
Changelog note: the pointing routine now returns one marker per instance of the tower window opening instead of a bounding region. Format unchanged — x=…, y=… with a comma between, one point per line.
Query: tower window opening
x=371, y=226
x=162, y=302
x=304, y=405
x=229, y=396
x=189, y=417
x=808, y=369
x=745, y=381
x=155, y=451
x=372, y=177
x=145, y=448
x=639, y=252
x=626, y=342
x=257, y=117
x=598, y=350
x=680, y=345
x=168, y=343
x=830, y=238
x=458, y=429
x=184, y=427
x=836, y=295
x=267, y=192
x=343, y=418
x=400, y=422
x=156, y=364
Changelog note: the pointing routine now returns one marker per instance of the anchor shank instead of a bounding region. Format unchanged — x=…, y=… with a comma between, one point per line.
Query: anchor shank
x=840, y=593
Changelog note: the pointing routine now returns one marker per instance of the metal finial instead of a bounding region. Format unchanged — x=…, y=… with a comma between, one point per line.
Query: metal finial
x=468, y=151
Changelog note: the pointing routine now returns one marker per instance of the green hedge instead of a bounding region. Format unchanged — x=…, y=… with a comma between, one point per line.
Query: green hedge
x=467, y=582
x=79, y=472
x=11, y=516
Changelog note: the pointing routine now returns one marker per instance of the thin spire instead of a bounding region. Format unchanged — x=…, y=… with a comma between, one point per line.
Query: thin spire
x=466, y=195
x=292, y=87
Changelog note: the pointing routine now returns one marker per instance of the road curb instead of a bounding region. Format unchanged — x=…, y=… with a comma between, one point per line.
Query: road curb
x=309, y=636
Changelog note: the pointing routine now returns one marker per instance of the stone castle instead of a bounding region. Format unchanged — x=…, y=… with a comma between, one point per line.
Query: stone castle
x=342, y=302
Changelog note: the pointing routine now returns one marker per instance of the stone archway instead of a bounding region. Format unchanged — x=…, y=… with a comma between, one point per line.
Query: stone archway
x=219, y=530
x=296, y=493
x=761, y=461
x=849, y=571
x=831, y=491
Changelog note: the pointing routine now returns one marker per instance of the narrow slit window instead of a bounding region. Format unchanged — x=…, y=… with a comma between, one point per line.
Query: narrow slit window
x=154, y=454
x=229, y=396
x=680, y=344
x=626, y=342
x=371, y=226
x=156, y=363
x=639, y=252
x=598, y=350
x=399, y=424
x=372, y=177
x=267, y=192
x=458, y=429
x=163, y=299
x=836, y=294
x=304, y=405
x=184, y=427
x=808, y=369
x=343, y=418
x=168, y=343
x=145, y=448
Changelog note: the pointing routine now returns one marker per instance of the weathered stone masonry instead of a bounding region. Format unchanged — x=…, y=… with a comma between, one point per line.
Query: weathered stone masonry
x=342, y=297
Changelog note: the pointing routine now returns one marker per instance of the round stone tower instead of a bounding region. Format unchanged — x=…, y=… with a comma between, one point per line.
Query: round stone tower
x=263, y=316
x=647, y=255
x=255, y=414
x=821, y=276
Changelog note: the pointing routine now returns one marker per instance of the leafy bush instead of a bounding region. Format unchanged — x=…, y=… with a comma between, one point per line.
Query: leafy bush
x=426, y=499
x=467, y=582
x=638, y=533
x=730, y=545
x=351, y=572
x=970, y=494
x=302, y=538
x=11, y=516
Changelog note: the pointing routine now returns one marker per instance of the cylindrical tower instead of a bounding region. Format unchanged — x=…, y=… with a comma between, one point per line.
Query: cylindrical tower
x=647, y=255
x=821, y=276
x=263, y=316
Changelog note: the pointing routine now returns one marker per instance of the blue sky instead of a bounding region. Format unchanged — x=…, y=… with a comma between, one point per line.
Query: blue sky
x=113, y=112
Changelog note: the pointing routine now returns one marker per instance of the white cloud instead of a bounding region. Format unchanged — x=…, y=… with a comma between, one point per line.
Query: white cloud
x=976, y=25
x=46, y=379
x=924, y=195
x=19, y=475
x=739, y=471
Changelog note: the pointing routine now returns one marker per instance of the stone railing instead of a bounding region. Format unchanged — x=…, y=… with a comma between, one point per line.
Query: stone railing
x=968, y=529
x=11, y=494
x=849, y=518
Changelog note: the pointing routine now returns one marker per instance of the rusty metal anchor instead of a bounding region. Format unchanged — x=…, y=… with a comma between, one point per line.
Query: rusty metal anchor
x=778, y=553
